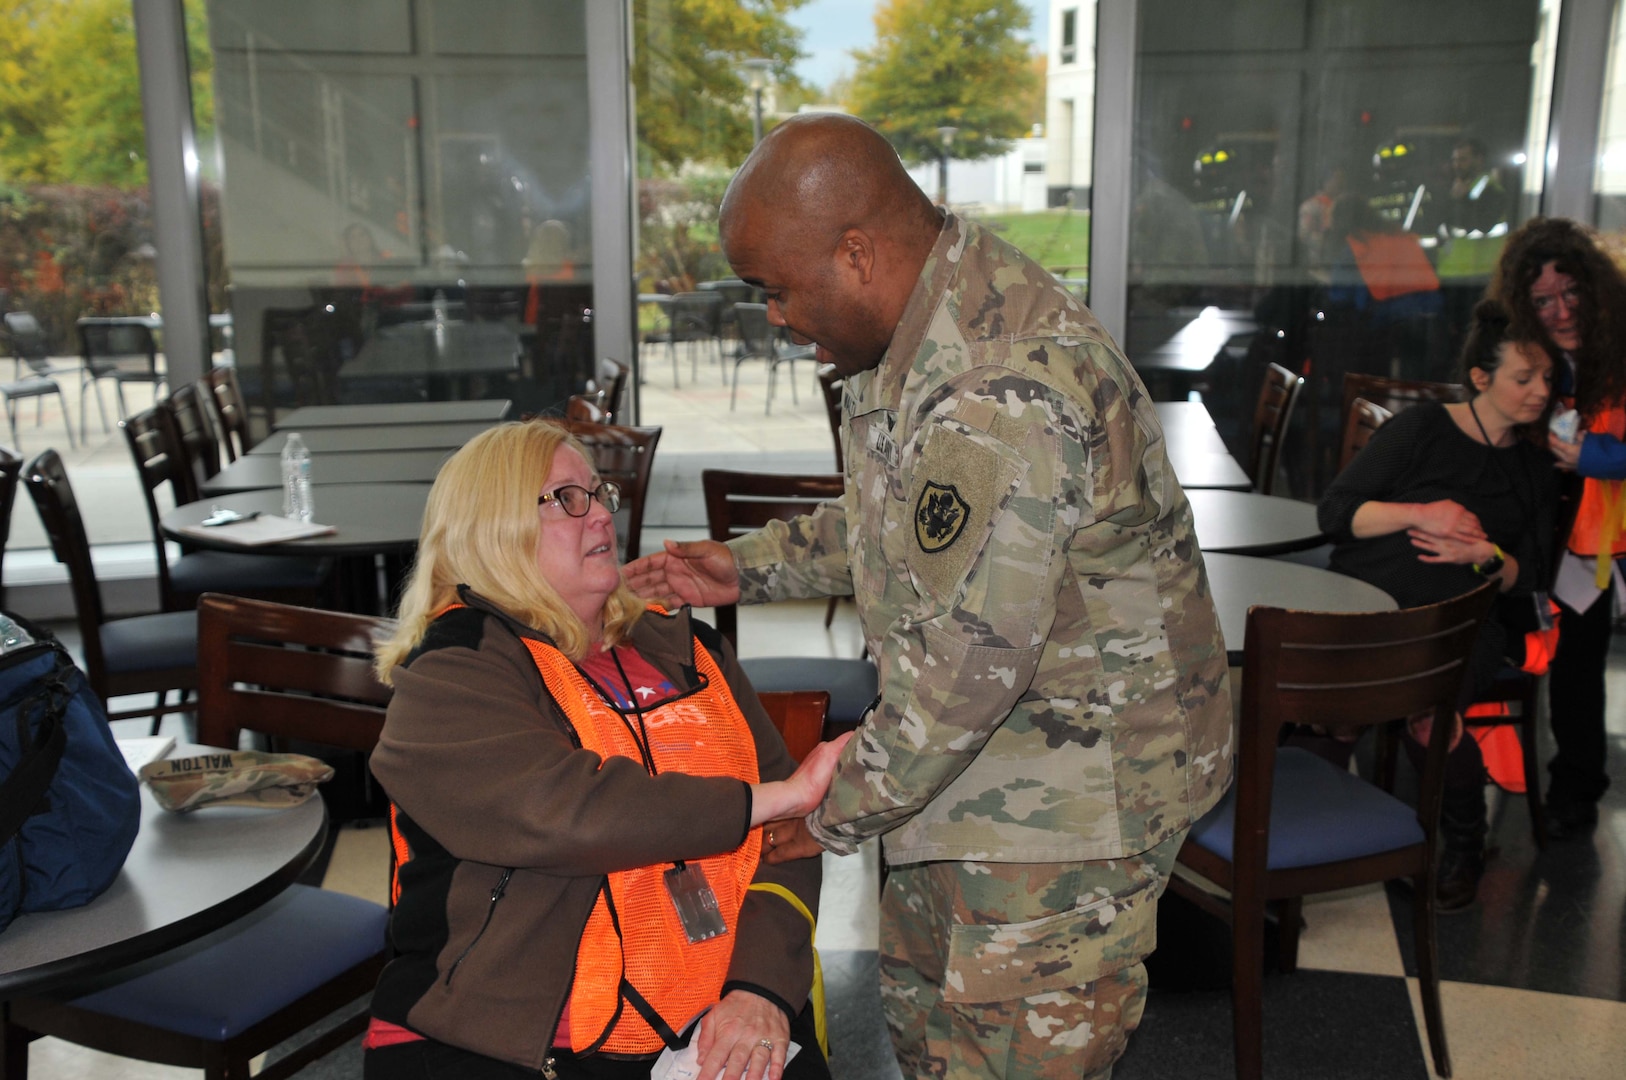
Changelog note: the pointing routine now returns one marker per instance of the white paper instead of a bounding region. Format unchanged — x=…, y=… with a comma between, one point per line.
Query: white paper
x=139, y=750
x=685, y=1064
x=1577, y=583
x=264, y=529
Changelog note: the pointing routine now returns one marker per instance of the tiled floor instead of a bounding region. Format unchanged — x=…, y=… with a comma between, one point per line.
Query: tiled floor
x=1535, y=979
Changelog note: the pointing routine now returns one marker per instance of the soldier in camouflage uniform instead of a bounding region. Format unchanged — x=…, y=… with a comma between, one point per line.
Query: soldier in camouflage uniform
x=1054, y=709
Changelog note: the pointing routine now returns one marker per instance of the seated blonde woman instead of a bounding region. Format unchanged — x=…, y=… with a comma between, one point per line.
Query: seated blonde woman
x=578, y=786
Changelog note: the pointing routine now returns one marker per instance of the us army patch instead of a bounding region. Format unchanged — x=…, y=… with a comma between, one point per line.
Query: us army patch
x=940, y=517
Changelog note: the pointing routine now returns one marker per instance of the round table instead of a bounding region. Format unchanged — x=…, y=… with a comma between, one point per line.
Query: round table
x=1239, y=582
x=371, y=519
x=187, y=875
x=1244, y=523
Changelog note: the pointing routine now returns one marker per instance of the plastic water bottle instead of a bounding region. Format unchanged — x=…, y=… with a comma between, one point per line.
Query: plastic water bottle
x=12, y=636
x=296, y=479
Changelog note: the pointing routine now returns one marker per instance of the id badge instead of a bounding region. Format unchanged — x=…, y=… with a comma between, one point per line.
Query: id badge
x=1544, y=610
x=695, y=902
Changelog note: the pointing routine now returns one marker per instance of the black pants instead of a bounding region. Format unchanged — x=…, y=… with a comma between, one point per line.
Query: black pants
x=1575, y=697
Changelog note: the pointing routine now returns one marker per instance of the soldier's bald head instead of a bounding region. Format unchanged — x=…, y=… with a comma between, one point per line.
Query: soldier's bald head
x=823, y=217
x=825, y=173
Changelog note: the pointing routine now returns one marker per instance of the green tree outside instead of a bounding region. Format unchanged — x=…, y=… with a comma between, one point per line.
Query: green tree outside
x=947, y=63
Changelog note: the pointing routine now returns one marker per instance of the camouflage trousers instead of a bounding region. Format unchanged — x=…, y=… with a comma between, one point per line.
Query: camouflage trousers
x=1018, y=969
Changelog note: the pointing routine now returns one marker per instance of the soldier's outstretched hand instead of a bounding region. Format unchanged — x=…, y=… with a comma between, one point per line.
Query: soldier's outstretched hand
x=700, y=573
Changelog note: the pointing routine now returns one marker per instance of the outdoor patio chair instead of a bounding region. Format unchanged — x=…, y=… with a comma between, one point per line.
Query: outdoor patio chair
x=760, y=341
x=29, y=349
x=119, y=349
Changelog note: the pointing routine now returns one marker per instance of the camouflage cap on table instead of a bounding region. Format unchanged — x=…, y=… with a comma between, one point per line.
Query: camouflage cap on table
x=239, y=778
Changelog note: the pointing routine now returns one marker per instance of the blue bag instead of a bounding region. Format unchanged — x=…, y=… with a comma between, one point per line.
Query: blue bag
x=69, y=805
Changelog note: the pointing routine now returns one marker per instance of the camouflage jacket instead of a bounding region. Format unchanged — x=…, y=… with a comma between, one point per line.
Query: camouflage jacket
x=1053, y=679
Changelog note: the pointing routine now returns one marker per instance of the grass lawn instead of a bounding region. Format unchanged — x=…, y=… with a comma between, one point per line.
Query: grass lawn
x=1057, y=239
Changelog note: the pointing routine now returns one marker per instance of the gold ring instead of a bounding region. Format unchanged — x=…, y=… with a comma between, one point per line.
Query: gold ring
x=766, y=1044
x=770, y=838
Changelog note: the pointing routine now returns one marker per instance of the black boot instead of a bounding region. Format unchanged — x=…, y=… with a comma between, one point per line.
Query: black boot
x=1462, y=847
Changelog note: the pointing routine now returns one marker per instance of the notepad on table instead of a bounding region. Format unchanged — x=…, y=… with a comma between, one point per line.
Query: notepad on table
x=255, y=531
x=139, y=750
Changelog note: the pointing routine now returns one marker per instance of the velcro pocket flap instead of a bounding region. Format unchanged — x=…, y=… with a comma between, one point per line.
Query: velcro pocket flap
x=1058, y=952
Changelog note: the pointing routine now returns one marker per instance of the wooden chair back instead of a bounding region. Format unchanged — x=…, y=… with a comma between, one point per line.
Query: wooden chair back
x=1360, y=422
x=11, y=467
x=290, y=672
x=611, y=382
x=155, y=449
x=741, y=502
x=53, y=497
x=625, y=455
x=1396, y=395
x=231, y=412
x=832, y=384
x=194, y=431
x=799, y=717
x=587, y=408
x=1271, y=414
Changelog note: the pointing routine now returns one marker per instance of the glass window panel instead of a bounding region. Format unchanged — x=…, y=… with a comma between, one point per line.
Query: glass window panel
x=1268, y=131
x=378, y=201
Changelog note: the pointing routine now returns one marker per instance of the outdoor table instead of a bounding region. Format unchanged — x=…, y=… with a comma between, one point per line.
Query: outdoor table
x=379, y=437
x=1238, y=582
x=250, y=472
x=187, y=875
x=395, y=414
x=1244, y=523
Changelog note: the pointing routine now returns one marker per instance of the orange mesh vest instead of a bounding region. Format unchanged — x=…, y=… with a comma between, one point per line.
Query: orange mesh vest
x=1600, y=520
x=641, y=944
x=1392, y=264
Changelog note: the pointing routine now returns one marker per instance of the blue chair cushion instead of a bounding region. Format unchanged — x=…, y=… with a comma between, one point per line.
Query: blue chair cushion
x=253, y=968
x=151, y=642
x=852, y=683
x=230, y=571
x=1319, y=814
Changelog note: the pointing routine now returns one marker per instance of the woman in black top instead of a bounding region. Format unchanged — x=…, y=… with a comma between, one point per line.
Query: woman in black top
x=1443, y=497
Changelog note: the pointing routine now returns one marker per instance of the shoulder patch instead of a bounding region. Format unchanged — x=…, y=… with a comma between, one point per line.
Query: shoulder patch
x=940, y=516
x=459, y=628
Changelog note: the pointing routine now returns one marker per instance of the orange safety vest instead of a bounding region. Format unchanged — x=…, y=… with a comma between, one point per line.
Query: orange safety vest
x=1600, y=519
x=1392, y=264
x=633, y=949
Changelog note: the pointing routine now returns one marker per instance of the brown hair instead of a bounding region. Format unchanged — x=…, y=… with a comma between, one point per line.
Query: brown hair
x=1600, y=362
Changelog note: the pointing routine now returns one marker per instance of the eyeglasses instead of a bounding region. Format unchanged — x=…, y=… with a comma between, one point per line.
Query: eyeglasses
x=576, y=500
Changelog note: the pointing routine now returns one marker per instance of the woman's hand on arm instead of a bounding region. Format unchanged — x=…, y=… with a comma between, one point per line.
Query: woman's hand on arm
x=798, y=794
x=1444, y=518
x=1436, y=549
x=732, y=1039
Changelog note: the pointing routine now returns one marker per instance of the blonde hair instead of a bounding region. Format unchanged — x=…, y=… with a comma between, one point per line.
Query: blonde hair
x=481, y=529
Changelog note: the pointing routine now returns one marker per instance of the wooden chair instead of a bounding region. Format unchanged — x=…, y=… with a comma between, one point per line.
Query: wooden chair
x=121, y=350
x=29, y=350
x=1396, y=395
x=1293, y=823
x=1361, y=419
x=611, y=382
x=231, y=412
x=1271, y=414
x=291, y=673
x=194, y=432
x=832, y=386
x=145, y=654
x=627, y=456
x=741, y=502
x=11, y=467
x=587, y=408
x=799, y=716
x=156, y=446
